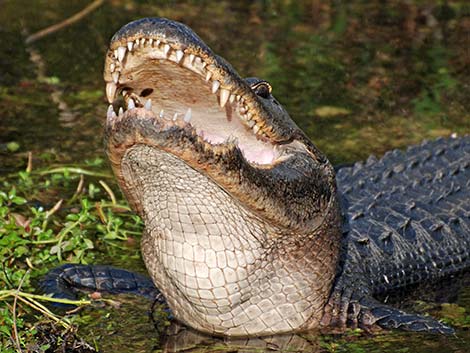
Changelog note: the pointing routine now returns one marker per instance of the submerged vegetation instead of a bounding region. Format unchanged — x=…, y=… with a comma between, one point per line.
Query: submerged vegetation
x=359, y=77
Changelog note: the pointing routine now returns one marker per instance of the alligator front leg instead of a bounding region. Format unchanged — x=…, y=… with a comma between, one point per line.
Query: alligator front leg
x=356, y=309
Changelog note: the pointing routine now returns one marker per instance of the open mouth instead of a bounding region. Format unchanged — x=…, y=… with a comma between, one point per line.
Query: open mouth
x=189, y=87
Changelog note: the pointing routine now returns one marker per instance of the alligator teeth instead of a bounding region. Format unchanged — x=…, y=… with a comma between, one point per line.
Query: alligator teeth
x=121, y=53
x=187, y=116
x=115, y=76
x=191, y=59
x=110, y=114
x=121, y=111
x=215, y=86
x=130, y=104
x=251, y=123
x=158, y=42
x=130, y=45
x=224, y=96
x=208, y=76
x=179, y=55
x=142, y=42
x=150, y=41
x=232, y=140
x=166, y=50
x=175, y=116
x=112, y=67
x=232, y=98
x=148, y=104
x=256, y=129
x=161, y=115
x=110, y=91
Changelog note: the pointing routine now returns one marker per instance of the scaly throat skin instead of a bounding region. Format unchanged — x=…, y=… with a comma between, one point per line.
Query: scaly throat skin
x=242, y=223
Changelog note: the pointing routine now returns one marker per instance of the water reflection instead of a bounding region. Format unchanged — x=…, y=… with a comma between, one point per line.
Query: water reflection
x=182, y=339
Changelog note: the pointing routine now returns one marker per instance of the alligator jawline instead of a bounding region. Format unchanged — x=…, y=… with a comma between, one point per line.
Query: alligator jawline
x=154, y=75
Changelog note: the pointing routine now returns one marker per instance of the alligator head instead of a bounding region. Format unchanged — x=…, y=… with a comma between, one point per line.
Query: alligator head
x=241, y=217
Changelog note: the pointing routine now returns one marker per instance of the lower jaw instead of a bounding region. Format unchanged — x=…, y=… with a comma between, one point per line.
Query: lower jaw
x=263, y=154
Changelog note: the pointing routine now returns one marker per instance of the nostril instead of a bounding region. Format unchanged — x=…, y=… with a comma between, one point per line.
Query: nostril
x=146, y=92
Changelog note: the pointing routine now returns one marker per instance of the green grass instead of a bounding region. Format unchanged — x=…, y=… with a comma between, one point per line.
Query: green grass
x=47, y=217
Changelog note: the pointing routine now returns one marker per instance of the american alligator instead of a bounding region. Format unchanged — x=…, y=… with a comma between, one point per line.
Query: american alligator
x=248, y=231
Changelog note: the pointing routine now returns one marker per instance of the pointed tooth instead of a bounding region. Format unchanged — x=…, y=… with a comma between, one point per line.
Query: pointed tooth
x=224, y=96
x=187, y=116
x=150, y=41
x=215, y=86
x=130, y=104
x=179, y=55
x=161, y=114
x=232, y=98
x=204, y=64
x=121, y=111
x=256, y=129
x=110, y=113
x=115, y=76
x=115, y=53
x=112, y=67
x=121, y=51
x=251, y=123
x=239, y=97
x=142, y=42
x=208, y=76
x=158, y=42
x=110, y=91
x=148, y=104
x=191, y=59
x=232, y=140
x=166, y=50
x=175, y=116
x=130, y=45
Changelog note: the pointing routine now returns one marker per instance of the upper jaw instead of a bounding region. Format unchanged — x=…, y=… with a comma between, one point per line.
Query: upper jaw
x=163, y=66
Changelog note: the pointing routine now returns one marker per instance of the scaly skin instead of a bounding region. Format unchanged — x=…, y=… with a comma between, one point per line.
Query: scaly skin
x=249, y=243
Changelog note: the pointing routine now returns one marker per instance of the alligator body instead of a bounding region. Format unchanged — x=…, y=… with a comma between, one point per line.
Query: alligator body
x=247, y=229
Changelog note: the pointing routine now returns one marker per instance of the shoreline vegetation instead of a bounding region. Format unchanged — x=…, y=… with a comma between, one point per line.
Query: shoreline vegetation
x=41, y=226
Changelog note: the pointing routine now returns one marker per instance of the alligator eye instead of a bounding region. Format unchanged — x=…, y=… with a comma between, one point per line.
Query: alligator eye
x=263, y=89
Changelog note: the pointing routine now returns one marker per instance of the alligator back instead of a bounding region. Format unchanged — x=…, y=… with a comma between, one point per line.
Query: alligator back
x=406, y=218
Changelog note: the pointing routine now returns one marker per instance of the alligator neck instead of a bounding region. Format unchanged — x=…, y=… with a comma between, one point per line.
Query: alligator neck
x=223, y=269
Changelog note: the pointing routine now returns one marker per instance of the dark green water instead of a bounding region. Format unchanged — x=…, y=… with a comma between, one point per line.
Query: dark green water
x=360, y=77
